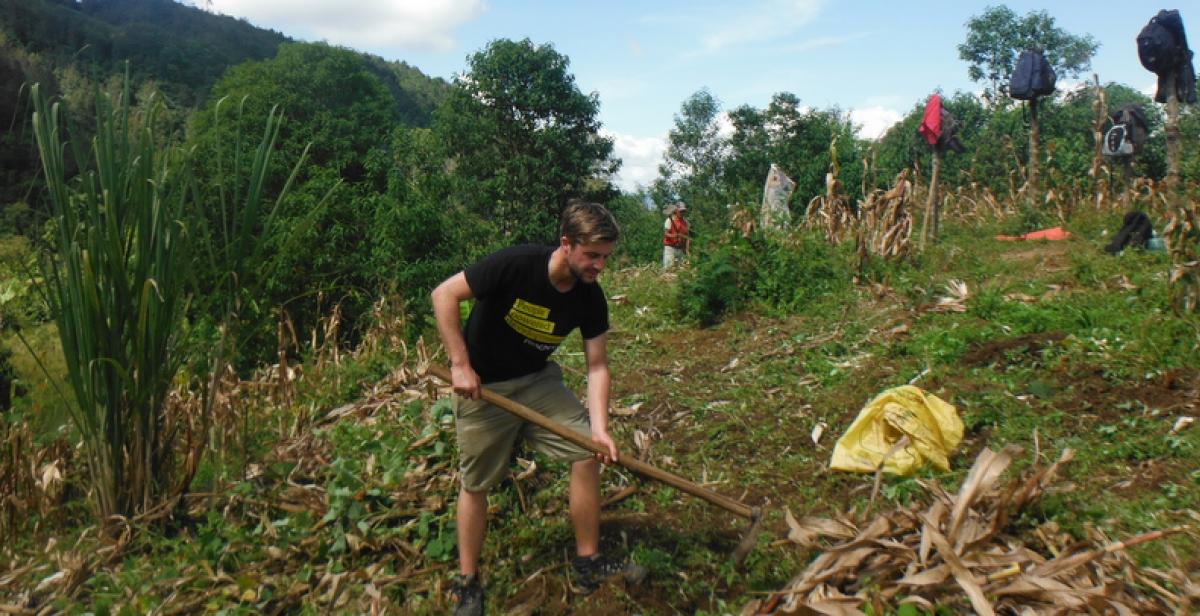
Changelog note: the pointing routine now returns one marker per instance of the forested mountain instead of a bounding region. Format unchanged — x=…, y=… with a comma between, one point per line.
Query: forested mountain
x=183, y=48
x=178, y=51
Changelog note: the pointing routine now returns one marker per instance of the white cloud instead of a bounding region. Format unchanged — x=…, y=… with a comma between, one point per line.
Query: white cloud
x=765, y=21
x=872, y=122
x=410, y=24
x=1068, y=86
x=635, y=48
x=827, y=41
x=639, y=156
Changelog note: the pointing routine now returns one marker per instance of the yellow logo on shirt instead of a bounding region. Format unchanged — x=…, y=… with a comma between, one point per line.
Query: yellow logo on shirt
x=530, y=320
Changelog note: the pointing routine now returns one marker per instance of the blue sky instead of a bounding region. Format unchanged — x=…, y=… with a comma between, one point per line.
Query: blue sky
x=874, y=59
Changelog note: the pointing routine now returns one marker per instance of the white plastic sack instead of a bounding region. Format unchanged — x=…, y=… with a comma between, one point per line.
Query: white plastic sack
x=779, y=187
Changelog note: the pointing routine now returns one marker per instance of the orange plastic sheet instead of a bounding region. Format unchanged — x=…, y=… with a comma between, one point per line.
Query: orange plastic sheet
x=1053, y=233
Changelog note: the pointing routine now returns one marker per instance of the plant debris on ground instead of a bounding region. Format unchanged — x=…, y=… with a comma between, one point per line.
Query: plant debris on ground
x=339, y=495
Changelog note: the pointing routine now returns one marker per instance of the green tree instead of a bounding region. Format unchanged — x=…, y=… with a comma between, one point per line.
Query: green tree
x=341, y=116
x=335, y=105
x=797, y=140
x=996, y=37
x=419, y=234
x=692, y=165
x=524, y=138
x=641, y=228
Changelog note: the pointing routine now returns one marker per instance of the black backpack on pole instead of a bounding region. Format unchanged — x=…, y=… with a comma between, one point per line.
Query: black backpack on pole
x=1163, y=50
x=1032, y=78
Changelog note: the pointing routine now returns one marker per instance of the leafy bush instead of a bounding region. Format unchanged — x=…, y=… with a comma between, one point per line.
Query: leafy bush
x=641, y=229
x=789, y=273
x=794, y=273
x=19, y=301
x=714, y=283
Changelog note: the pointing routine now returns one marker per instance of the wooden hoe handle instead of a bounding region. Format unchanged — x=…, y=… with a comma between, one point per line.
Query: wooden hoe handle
x=628, y=462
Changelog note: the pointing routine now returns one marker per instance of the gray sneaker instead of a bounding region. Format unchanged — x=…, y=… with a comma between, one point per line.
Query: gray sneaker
x=469, y=591
x=592, y=571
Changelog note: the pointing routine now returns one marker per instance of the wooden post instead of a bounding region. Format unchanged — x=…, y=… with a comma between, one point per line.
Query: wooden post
x=1100, y=107
x=1031, y=182
x=1126, y=182
x=929, y=228
x=1172, y=135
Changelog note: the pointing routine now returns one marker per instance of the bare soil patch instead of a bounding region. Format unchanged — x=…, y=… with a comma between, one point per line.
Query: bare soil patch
x=993, y=351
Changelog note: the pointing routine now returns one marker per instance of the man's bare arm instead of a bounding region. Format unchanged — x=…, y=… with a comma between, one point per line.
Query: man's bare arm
x=599, y=388
x=446, y=299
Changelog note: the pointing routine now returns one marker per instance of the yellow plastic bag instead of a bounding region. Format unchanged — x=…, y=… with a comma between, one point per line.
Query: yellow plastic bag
x=930, y=423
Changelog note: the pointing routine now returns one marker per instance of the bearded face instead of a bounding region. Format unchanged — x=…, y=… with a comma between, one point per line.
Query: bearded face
x=586, y=261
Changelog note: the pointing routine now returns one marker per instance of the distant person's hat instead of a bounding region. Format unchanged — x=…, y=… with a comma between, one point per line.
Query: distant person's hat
x=681, y=206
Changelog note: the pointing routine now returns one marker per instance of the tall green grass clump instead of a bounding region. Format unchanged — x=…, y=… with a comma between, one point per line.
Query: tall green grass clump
x=136, y=241
x=114, y=281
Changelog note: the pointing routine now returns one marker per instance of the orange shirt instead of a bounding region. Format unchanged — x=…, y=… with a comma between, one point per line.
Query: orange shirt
x=678, y=226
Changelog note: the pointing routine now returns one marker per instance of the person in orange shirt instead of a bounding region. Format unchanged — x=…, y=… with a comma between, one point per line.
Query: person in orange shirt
x=676, y=240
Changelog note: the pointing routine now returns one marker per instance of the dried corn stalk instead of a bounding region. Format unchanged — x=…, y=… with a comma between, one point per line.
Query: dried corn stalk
x=31, y=477
x=886, y=220
x=1182, y=235
x=831, y=212
x=957, y=552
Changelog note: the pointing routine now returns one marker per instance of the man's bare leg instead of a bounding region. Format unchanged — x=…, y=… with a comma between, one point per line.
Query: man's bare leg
x=472, y=525
x=585, y=506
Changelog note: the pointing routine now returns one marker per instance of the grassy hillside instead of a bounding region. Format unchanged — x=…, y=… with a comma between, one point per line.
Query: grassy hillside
x=335, y=489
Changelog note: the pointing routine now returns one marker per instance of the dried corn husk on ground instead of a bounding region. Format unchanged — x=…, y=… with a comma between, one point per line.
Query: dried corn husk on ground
x=958, y=551
x=284, y=568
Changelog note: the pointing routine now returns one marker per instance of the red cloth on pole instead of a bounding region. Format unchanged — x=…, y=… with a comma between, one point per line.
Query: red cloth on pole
x=931, y=123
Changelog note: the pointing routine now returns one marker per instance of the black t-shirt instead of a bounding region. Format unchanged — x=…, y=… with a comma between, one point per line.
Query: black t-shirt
x=519, y=318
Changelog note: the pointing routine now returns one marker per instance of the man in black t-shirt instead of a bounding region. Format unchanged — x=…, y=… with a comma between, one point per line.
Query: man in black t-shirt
x=527, y=300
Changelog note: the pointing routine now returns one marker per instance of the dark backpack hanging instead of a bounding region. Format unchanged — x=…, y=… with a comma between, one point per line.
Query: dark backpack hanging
x=1135, y=232
x=1163, y=50
x=1117, y=141
x=1159, y=42
x=949, y=138
x=1128, y=132
x=1137, y=128
x=1032, y=78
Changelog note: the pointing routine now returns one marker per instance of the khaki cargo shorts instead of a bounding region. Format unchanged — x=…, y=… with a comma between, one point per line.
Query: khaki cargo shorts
x=487, y=433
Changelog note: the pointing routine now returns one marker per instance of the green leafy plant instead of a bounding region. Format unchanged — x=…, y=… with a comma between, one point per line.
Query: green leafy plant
x=713, y=286
x=115, y=285
x=123, y=240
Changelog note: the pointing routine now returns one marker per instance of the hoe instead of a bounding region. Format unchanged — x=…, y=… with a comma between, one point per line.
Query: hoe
x=753, y=514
